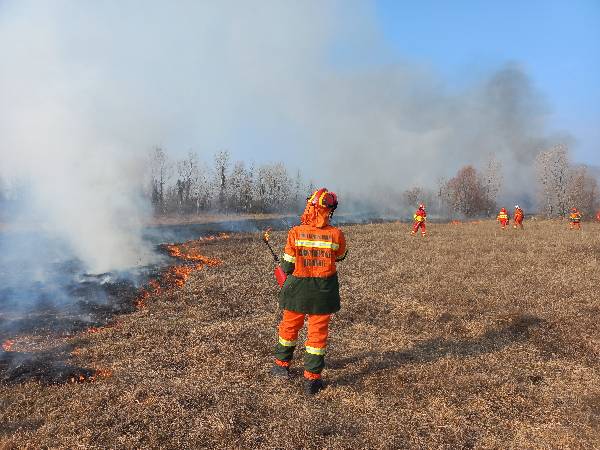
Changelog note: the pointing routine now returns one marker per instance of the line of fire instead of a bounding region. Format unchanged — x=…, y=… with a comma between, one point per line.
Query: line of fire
x=44, y=344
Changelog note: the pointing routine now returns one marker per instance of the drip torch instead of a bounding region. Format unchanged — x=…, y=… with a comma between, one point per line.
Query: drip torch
x=280, y=275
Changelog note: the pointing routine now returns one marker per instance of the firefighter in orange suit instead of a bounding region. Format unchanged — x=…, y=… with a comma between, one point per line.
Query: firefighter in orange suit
x=518, y=217
x=503, y=218
x=311, y=288
x=575, y=219
x=420, y=216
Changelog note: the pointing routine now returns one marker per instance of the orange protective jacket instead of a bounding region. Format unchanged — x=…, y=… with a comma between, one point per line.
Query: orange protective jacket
x=519, y=215
x=310, y=257
x=314, y=251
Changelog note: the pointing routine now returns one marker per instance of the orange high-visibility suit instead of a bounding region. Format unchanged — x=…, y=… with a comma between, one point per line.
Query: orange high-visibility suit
x=519, y=216
x=420, y=216
x=311, y=288
x=503, y=218
x=575, y=218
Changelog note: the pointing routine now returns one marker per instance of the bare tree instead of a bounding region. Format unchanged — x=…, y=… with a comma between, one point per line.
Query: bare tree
x=160, y=173
x=466, y=193
x=553, y=174
x=492, y=180
x=237, y=181
x=188, y=175
x=221, y=166
x=413, y=196
x=442, y=196
x=201, y=189
x=582, y=191
x=299, y=194
x=247, y=202
x=273, y=188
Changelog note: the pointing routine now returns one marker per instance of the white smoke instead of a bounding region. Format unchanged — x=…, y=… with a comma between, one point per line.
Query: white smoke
x=87, y=88
x=83, y=183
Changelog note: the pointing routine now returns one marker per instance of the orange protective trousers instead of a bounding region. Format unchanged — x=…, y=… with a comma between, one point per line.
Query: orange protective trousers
x=503, y=223
x=416, y=226
x=518, y=222
x=316, y=339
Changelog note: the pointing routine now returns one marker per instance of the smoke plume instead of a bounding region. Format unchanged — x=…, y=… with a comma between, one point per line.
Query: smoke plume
x=88, y=88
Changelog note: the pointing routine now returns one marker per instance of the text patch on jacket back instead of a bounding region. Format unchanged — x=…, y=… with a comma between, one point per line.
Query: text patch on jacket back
x=315, y=250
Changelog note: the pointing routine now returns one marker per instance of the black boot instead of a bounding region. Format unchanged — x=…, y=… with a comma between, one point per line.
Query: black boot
x=311, y=387
x=280, y=371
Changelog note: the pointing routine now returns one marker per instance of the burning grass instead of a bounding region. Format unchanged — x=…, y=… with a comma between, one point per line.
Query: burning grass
x=51, y=367
x=472, y=337
x=175, y=277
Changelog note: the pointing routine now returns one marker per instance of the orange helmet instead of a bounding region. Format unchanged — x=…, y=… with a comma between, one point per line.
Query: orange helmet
x=503, y=210
x=324, y=198
x=573, y=209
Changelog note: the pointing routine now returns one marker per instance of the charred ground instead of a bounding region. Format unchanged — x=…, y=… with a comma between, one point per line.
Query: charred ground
x=471, y=338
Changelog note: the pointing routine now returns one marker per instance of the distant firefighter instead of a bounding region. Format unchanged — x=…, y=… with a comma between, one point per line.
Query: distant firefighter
x=419, y=217
x=503, y=218
x=598, y=216
x=518, y=217
x=575, y=218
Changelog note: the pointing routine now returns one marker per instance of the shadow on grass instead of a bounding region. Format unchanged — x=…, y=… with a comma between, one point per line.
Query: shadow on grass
x=491, y=341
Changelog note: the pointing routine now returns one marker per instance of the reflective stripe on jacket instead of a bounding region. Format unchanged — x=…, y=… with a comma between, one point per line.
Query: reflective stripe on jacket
x=310, y=261
x=314, y=251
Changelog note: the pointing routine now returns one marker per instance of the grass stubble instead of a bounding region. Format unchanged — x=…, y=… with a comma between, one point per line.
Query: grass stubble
x=470, y=338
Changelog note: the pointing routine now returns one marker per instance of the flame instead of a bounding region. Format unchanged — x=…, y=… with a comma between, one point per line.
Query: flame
x=266, y=234
x=101, y=373
x=456, y=222
x=176, y=276
x=93, y=330
x=189, y=254
x=98, y=373
x=7, y=345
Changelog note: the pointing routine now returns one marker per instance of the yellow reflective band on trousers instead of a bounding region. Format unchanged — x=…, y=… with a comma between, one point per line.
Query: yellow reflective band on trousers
x=287, y=343
x=288, y=258
x=315, y=351
x=317, y=244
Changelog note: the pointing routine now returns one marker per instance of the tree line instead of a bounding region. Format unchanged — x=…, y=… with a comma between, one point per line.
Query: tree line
x=561, y=186
x=191, y=186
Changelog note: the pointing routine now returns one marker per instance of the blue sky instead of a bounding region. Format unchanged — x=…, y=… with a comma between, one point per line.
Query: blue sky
x=557, y=42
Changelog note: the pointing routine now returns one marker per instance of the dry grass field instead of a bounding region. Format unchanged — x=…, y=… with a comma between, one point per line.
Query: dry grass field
x=471, y=338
